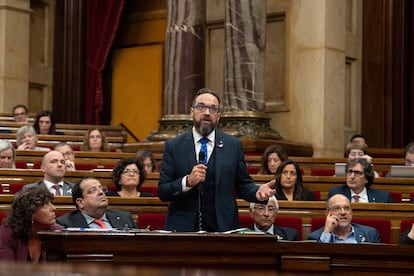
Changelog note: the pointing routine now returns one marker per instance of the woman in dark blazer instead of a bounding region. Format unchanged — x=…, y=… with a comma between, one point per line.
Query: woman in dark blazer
x=31, y=211
x=289, y=184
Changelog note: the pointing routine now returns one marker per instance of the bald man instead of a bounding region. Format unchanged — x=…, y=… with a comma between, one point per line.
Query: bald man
x=338, y=227
x=54, y=169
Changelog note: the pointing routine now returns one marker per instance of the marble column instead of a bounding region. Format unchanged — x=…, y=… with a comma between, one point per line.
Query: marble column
x=244, y=76
x=14, y=53
x=184, y=65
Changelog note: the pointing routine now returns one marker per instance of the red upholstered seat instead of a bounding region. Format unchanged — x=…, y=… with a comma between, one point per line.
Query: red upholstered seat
x=151, y=221
x=383, y=226
x=316, y=194
x=292, y=222
x=150, y=189
x=396, y=197
x=405, y=224
x=322, y=172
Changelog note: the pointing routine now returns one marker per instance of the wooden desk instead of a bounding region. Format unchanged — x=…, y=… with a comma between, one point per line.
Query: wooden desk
x=225, y=250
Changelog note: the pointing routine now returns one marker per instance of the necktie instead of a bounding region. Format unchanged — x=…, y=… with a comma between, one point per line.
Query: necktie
x=356, y=198
x=204, y=142
x=100, y=223
x=57, y=188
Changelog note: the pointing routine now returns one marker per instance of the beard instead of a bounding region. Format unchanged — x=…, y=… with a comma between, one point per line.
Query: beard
x=204, y=129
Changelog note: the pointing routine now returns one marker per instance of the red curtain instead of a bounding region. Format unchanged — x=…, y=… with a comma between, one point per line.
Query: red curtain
x=101, y=19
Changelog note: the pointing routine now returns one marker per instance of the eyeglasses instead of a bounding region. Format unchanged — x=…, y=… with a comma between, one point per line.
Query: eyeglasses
x=262, y=208
x=213, y=109
x=356, y=173
x=93, y=190
x=126, y=171
x=337, y=209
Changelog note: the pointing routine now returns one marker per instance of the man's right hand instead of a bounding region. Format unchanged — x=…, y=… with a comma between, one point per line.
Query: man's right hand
x=331, y=223
x=197, y=175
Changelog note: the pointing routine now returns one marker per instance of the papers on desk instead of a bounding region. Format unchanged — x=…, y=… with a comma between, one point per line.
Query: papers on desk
x=244, y=231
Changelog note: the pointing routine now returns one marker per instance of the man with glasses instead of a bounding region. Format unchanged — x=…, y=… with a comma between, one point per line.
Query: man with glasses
x=264, y=216
x=202, y=170
x=338, y=227
x=68, y=153
x=54, y=169
x=359, y=177
x=21, y=114
x=92, y=209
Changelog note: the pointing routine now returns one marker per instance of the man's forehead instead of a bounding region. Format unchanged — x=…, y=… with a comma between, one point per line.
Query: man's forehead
x=90, y=182
x=207, y=99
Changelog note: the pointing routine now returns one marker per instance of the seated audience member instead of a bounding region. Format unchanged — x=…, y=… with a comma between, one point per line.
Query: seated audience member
x=54, y=168
x=409, y=154
x=26, y=139
x=146, y=158
x=408, y=157
x=272, y=157
x=7, y=155
x=359, y=177
x=357, y=149
x=95, y=141
x=31, y=211
x=92, y=209
x=408, y=236
x=128, y=175
x=45, y=123
x=359, y=138
x=339, y=227
x=289, y=184
x=68, y=154
x=264, y=216
x=21, y=113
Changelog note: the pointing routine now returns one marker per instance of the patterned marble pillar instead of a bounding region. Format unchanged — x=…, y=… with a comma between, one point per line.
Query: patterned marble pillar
x=184, y=65
x=14, y=53
x=244, y=79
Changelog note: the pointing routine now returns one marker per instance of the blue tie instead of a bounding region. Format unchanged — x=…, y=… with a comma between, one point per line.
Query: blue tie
x=204, y=142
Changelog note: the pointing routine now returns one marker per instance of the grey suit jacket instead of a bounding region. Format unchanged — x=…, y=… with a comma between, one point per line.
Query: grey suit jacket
x=230, y=174
x=118, y=219
x=67, y=187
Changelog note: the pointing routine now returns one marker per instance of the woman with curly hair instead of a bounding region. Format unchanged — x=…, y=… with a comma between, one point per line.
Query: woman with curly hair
x=289, y=184
x=128, y=176
x=95, y=141
x=272, y=157
x=31, y=211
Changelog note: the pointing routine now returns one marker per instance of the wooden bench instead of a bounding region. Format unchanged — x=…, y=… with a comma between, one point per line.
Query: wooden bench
x=306, y=210
x=72, y=129
x=84, y=160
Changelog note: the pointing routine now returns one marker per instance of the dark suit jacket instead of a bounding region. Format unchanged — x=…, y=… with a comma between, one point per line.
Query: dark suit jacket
x=67, y=187
x=231, y=175
x=13, y=249
x=362, y=234
x=118, y=219
x=404, y=239
x=373, y=195
x=285, y=233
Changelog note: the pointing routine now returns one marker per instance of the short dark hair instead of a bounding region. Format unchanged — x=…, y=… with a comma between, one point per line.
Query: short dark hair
x=20, y=106
x=120, y=166
x=368, y=169
x=206, y=91
x=359, y=136
x=77, y=191
x=409, y=149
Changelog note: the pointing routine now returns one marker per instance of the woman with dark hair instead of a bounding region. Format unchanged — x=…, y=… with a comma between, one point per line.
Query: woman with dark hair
x=289, y=184
x=128, y=176
x=31, y=211
x=45, y=123
x=147, y=159
x=95, y=141
x=272, y=157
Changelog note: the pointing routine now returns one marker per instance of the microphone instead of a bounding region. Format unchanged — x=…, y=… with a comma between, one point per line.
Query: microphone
x=201, y=157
